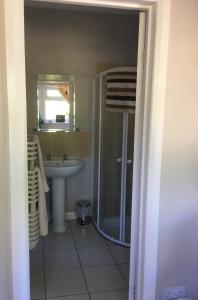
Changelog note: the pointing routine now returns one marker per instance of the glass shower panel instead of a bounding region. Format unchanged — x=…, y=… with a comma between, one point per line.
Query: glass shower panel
x=129, y=175
x=96, y=147
x=110, y=171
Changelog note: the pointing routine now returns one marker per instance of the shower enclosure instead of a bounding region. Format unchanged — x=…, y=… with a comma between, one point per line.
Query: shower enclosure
x=113, y=145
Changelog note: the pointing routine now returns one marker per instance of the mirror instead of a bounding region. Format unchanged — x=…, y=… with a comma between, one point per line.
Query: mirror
x=56, y=102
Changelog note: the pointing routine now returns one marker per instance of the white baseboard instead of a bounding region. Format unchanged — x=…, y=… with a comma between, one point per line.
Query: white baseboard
x=70, y=215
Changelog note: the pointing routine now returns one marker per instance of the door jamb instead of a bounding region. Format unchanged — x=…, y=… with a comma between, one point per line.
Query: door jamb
x=148, y=234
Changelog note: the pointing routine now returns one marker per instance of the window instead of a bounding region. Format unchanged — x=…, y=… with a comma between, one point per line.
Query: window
x=54, y=107
x=53, y=93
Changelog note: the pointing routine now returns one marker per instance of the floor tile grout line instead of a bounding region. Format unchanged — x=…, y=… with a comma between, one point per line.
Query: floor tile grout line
x=65, y=296
x=69, y=249
x=77, y=268
x=72, y=249
x=62, y=270
x=60, y=250
x=109, y=291
x=108, y=247
x=97, y=266
x=118, y=265
x=81, y=264
x=44, y=270
x=123, y=275
x=100, y=292
x=80, y=247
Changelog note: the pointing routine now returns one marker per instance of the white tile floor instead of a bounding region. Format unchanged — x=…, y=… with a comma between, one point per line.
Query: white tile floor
x=79, y=265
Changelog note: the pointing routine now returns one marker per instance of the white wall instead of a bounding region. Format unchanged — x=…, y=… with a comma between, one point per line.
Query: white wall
x=14, y=257
x=79, y=186
x=178, y=221
x=5, y=222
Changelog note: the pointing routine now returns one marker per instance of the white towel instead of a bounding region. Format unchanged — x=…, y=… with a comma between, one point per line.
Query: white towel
x=43, y=219
x=40, y=160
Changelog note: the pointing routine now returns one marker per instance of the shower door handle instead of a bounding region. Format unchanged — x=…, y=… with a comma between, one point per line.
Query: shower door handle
x=119, y=159
x=129, y=161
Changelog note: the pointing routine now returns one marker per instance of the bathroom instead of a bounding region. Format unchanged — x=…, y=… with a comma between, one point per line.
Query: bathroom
x=78, y=45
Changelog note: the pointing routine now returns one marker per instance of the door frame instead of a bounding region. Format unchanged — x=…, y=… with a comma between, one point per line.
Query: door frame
x=14, y=132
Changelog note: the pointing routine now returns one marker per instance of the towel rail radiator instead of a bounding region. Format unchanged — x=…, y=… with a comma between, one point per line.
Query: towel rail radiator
x=33, y=193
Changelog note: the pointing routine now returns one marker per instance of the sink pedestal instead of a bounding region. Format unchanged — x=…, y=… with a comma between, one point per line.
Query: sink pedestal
x=59, y=171
x=58, y=204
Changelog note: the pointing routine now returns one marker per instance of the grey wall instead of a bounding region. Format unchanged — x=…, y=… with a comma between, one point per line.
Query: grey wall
x=81, y=43
x=178, y=219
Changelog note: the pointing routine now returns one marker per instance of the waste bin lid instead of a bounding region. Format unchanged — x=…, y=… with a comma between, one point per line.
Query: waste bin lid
x=83, y=203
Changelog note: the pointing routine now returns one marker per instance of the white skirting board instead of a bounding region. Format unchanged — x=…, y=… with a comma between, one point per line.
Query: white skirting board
x=70, y=215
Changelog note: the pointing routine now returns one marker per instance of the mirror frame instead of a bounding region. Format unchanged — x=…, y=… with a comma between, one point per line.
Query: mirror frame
x=57, y=78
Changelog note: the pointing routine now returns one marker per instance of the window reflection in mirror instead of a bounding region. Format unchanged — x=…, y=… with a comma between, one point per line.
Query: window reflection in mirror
x=56, y=102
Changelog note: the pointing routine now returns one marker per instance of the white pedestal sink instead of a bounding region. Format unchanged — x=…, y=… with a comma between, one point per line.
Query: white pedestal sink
x=59, y=171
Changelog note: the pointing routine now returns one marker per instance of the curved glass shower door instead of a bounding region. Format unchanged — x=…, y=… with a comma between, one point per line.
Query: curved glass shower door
x=129, y=177
x=110, y=174
x=112, y=168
